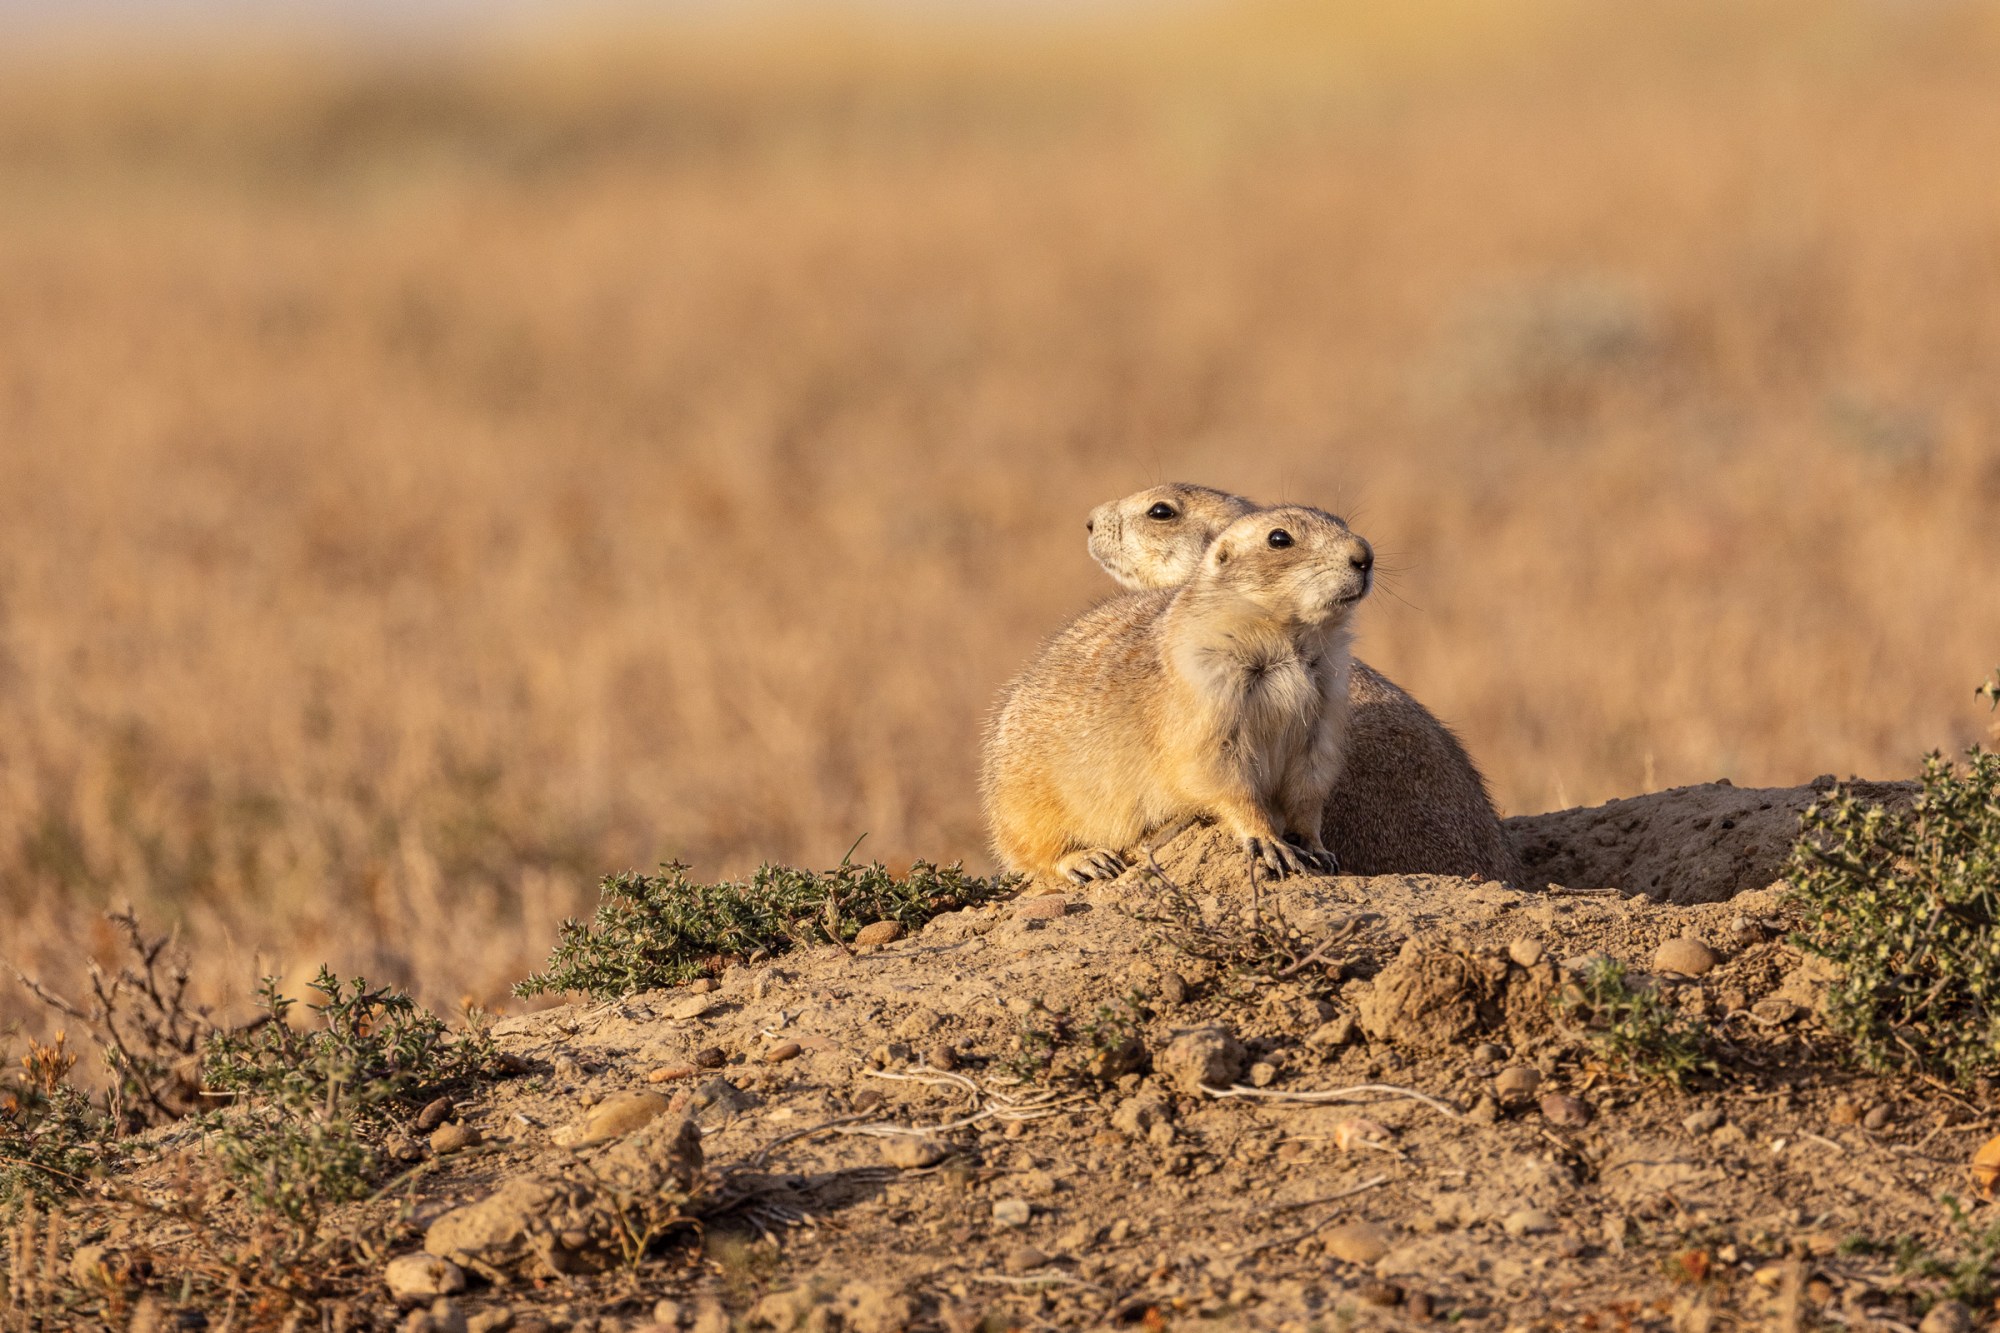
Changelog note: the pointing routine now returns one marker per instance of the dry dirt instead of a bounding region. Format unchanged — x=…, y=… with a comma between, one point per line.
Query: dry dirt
x=869, y=1157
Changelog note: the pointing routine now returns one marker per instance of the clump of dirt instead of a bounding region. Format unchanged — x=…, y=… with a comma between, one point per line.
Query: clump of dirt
x=1071, y=1109
x=1702, y=844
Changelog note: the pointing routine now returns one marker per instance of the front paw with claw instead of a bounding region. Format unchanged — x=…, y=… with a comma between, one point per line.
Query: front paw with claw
x=1318, y=858
x=1089, y=864
x=1280, y=858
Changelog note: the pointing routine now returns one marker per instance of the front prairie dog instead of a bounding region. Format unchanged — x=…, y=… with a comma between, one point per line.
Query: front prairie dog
x=1226, y=697
x=1409, y=799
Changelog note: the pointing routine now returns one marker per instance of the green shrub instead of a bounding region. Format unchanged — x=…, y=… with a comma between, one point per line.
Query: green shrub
x=660, y=930
x=1634, y=1029
x=318, y=1097
x=51, y=1139
x=1907, y=903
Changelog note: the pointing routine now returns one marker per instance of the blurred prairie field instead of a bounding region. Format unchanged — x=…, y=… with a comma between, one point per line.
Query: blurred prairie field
x=429, y=483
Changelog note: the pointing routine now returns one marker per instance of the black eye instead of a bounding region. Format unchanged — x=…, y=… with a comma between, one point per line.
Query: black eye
x=1279, y=537
x=1162, y=510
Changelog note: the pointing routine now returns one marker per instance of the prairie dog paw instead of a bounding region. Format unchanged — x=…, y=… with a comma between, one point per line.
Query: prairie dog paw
x=1276, y=856
x=1091, y=863
x=1318, y=858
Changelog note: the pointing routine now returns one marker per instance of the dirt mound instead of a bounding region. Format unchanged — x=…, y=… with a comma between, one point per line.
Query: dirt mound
x=1701, y=844
x=1351, y=1100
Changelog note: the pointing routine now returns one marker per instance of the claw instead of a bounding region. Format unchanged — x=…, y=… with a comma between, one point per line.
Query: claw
x=1097, y=863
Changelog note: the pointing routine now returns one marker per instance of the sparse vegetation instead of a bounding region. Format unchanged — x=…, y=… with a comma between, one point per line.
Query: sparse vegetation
x=1631, y=1026
x=1251, y=946
x=660, y=930
x=1907, y=903
x=52, y=1140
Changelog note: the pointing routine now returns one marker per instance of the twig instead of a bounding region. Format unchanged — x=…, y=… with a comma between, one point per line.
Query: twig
x=1387, y=1091
x=763, y=1154
x=1564, y=891
x=1035, y=1279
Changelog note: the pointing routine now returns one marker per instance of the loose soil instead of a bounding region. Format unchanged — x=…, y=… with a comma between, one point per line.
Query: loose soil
x=878, y=1146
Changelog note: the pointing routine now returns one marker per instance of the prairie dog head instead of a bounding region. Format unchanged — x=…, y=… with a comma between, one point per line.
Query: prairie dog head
x=1300, y=564
x=1155, y=538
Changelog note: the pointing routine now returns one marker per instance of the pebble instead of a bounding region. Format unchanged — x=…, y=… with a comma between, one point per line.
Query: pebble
x=1011, y=1212
x=1517, y=1083
x=1772, y=1011
x=710, y=1057
x=1947, y=1317
x=1705, y=1121
x=1173, y=988
x=1526, y=951
x=1486, y=1053
x=942, y=1056
x=613, y=1118
x=1846, y=1113
x=1565, y=1112
x=1049, y=908
x=1417, y=1305
x=782, y=1052
x=415, y=1278
x=1380, y=1293
x=1686, y=955
x=403, y=1147
x=668, y=1312
x=1263, y=1074
x=1336, y=1032
x=879, y=933
x=1528, y=1222
x=672, y=1073
x=1023, y=1259
x=694, y=1006
x=1878, y=1117
x=703, y=986
x=1357, y=1242
x=490, y=1321
x=452, y=1136
x=867, y=1100
x=1206, y=1057
x=1485, y=1111
x=434, y=1114
x=442, y=1317
x=912, y=1153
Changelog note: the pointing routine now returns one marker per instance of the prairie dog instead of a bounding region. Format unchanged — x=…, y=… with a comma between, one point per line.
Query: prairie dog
x=1409, y=799
x=1226, y=696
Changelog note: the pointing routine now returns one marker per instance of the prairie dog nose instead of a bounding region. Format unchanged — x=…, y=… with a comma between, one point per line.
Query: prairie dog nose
x=1362, y=557
x=1090, y=525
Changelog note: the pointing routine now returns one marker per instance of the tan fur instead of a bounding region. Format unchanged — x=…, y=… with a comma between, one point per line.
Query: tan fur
x=1226, y=697
x=1409, y=799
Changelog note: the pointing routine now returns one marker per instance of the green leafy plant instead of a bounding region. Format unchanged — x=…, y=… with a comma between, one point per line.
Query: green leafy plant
x=317, y=1096
x=651, y=931
x=51, y=1139
x=1632, y=1027
x=1968, y=1272
x=1907, y=903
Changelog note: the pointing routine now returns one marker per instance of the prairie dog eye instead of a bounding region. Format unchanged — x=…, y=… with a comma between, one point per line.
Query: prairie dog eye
x=1162, y=511
x=1279, y=538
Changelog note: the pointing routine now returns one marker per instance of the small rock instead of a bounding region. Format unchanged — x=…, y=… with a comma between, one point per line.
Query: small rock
x=912, y=1153
x=1845, y=1113
x=566, y=1067
x=1485, y=1111
x=703, y=986
x=613, y=1118
x=672, y=1073
x=1011, y=1212
x=879, y=933
x=1528, y=1222
x=1517, y=1083
x=1947, y=1317
x=1565, y=1112
x=1417, y=1305
x=1203, y=1058
x=942, y=1056
x=1263, y=1074
x=416, y=1278
x=1023, y=1259
x=890, y=1053
x=1380, y=1294
x=710, y=1057
x=403, y=1147
x=1705, y=1121
x=1334, y=1033
x=453, y=1136
x=490, y=1321
x=1486, y=1053
x=1773, y=1012
x=783, y=1051
x=1173, y=988
x=1569, y=1247
x=442, y=1317
x=867, y=1100
x=1526, y=951
x=1049, y=908
x=1357, y=1242
x=1878, y=1117
x=1728, y=1136
x=434, y=1114
x=874, y=1307
x=668, y=1313
x=692, y=1006
x=1686, y=955
x=1136, y=1116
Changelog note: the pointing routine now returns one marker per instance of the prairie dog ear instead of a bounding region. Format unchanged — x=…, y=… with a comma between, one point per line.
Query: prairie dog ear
x=1218, y=554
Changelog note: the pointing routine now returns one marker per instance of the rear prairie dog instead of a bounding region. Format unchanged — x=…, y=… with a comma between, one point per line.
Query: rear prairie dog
x=1225, y=697
x=1409, y=799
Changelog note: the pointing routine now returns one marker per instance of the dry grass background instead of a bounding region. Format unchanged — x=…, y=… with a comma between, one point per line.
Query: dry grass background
x=431, y=483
